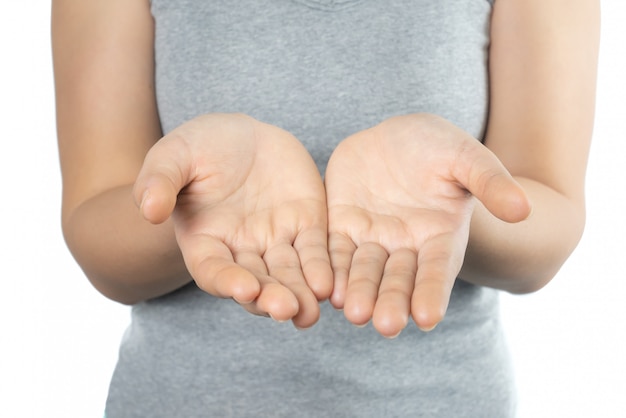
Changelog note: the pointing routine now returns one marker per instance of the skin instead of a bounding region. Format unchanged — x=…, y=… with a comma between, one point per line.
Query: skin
x=399, y=229
x=241, y=236
x=244, y=232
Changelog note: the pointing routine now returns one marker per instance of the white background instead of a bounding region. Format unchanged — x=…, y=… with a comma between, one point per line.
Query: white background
x=59, y=337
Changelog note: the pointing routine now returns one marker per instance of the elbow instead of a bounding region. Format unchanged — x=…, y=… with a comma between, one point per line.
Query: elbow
x=109, y=285
x=111, y=288
x=549, y=259
x=531, y=284
x=97, y=272
x=114, y=293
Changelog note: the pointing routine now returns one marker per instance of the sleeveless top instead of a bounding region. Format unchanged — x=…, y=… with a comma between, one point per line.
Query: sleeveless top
x=322, y=70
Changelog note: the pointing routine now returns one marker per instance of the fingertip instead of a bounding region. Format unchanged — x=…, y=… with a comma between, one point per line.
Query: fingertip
x=429, y=305
x=278, y=301
x=530, y=210
x=140, y=193
x=156, y=197
x=340, y=286
x=518, y=206
x=224, y=279
x=322, y=291
x=306, y=319
x=427, y=317
x=357, y=313
x=146, y=206
x=246, y=290
x=156, y=208
x=389, y=326
x=308, y=309
x=320, y=282
x=505, y=198
x=426, y=321
x=340, y=270
x=337, y=297
x=428, y=328
x=524, y=206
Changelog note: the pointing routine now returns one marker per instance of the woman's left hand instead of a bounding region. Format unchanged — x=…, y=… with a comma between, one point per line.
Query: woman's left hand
x=400, y=201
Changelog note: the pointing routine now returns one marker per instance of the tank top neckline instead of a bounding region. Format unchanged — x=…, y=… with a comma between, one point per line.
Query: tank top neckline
x=329, y=5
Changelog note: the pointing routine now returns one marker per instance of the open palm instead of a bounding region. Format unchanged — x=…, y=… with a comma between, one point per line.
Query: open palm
x=249, y=211
x=400, y=201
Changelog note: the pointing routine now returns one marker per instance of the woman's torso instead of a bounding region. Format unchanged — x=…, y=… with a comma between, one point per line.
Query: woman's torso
x=321, y=70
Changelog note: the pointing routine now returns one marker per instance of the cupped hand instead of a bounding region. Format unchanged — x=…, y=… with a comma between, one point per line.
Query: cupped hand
x=249, y=212
x=400, y=199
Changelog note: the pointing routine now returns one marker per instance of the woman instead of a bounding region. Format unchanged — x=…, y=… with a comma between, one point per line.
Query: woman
x=415, y=218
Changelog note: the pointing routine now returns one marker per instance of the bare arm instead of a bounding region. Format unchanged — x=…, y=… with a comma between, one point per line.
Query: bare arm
x=107, y=121
x=403, y=230
x=235, y=225
x=543, y=61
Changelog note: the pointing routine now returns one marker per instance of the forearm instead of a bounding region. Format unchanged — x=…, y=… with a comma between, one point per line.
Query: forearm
x=523, y=257
x=126, y=258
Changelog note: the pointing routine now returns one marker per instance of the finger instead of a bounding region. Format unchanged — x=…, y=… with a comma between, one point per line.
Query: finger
x=274, y=300
x=253, y=263
x=341, y=249
x=211, y=264
x=368, y=263
x=393, y=306
x=438, y=264
x=283, y=265
x=312, y=248
x=481, y=172
x=165, y=171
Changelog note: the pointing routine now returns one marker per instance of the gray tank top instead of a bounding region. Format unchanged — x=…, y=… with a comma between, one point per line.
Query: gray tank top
x=321, y=69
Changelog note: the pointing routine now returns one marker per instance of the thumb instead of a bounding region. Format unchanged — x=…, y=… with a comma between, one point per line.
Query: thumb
x=165, y=171
x=484, y=175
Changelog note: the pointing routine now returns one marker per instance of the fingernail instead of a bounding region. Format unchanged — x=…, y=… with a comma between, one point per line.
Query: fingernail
x=144, y=197
x=424, y=329
x=531, y=212
x=280, y=321
x=391, y=337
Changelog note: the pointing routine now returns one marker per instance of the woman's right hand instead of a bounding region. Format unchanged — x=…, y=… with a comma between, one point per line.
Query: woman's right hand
x=249, y=210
